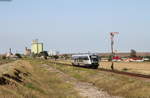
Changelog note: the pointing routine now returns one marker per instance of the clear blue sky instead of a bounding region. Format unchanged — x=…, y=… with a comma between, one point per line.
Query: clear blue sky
x=75, y=25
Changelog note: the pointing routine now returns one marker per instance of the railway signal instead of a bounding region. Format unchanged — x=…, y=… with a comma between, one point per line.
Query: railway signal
x=112, y=34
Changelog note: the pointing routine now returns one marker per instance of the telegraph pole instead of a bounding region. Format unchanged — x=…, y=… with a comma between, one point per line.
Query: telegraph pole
x=112, y=34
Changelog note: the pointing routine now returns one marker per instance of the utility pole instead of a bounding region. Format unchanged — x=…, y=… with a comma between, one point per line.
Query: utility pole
x=112, y=34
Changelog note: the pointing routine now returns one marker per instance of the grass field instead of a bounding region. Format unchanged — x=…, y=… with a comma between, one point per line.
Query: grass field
x=136, y=67
x=114, y=84
x=31, y=79
x=28, y=79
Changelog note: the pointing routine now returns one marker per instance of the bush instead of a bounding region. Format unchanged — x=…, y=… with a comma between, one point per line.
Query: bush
x=3, y=57
x=56, y=57
x=18, y=55
x=110, y=58
x=43, y=54
x=66, y=56
x=125, y=69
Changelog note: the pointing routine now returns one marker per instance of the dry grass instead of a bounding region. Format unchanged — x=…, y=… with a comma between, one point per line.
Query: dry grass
x=28, y=79
x=114, y=84
x=4, y=61
x=136, y=67
x=31, y=80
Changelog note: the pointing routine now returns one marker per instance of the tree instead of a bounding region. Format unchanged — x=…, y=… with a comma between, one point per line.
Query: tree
x=3, y=57
x=55, y=57
x=66, y=56
x=44, y=54
x=18, y=55
x=133, y=53
x=110, y=58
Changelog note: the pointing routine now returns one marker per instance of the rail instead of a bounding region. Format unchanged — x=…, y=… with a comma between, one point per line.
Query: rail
x=113, y=71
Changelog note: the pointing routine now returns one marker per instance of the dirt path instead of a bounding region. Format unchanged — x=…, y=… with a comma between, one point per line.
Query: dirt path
x=86, y=90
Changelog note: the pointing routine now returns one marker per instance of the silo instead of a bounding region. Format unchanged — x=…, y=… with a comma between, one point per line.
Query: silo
x=36, y=47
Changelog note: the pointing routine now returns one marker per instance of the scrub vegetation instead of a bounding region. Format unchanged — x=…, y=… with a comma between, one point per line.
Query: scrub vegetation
x=114, y=84
x=36, y=78
x=28, y=79
x=4, y=61
x=135, y=67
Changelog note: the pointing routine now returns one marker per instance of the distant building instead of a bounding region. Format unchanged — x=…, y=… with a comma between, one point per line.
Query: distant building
x=27, y=52
x=36, y=47
x=53, y=52
x=116, y=58
x=9, y=54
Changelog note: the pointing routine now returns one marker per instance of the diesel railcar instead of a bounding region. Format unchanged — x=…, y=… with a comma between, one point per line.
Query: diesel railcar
x=86, y=60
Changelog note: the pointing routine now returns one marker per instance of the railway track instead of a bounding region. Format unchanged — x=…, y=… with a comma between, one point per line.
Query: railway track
x=113, y=71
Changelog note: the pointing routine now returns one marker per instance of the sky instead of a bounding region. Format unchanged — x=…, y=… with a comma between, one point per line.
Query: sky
x=73, y=26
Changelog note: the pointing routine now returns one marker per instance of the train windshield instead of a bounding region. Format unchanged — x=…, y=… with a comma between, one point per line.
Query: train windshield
x=80, y=58
x=84, y=58
x=94, y=58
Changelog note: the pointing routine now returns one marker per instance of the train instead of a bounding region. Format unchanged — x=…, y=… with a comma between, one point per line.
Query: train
x=86, y=60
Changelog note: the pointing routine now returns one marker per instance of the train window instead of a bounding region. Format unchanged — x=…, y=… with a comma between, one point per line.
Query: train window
x=94, y=58
x=80, y=58
x=85, y=58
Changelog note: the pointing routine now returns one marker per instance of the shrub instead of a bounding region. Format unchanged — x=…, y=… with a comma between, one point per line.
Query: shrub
x=18, y=55
x=3, y=57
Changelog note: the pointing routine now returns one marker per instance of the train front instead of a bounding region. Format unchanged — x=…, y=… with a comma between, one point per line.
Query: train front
x=94, y=61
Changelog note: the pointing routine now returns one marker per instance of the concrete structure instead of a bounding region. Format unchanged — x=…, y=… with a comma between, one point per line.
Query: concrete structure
x=27, y=52
x=53, y=52
x=9, y=54
x=36, y=47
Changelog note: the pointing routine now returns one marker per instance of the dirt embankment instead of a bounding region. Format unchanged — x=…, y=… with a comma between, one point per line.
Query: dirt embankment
x=13, y=73
x=4, y=61
x=42, y=79
x=27, y=79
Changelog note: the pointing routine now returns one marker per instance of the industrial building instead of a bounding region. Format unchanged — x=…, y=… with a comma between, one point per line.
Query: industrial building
x=27, y=52
x=53, y=52
x=9, y=54
x=36, y=47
